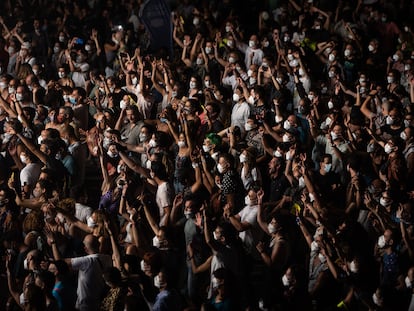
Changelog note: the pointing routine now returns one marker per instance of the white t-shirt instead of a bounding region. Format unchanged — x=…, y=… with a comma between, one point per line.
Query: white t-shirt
x=90, y=280
x=82, y=212
x=239, y=115
x=250, y=237
x=29, y=175
x=163, y=199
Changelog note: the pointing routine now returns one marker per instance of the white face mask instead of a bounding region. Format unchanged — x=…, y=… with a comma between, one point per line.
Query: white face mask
x=215, y=236
x=25, y=264
x=134, y=81
x=376, y=300
x=196, y=21
x=208, y=50
x=381, y=241
x=390, y=79
x=199, y=61
x=387, y=148
x=236, y=97
x=206, y=148
x=287, y=125
x=228, y=28
x=293, y=63
x=277, y=154
x=193, y=85
x=220, y=168
x=188, y=214
x=286, y=138
x=61, y=74
x=328, y=167
x=395, y=57
x=251, y=43
x=285, y=281
x=156, y=242
x=334, y=135
x=152, y=143
x=252, y=80
x=331, y=74
x=157, y=282
x=90, y=222
x=271, y=228
x=347, y=53
x=23, y=159
x=407, y=282
x=232, y=60
x=389, y=120
x=353, y=267
x=181, y=144
x=122, y=104
x=242, y=158
x=371, y=48
x=403, y=136
x=331, y=57
x=302, y=182
x=19, y=97
x=112, y=154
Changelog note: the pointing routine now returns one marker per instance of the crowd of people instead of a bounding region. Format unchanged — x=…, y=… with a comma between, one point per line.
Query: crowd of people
x=264, y=161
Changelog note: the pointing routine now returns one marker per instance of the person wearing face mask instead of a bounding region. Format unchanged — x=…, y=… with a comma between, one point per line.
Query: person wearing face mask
x=130, y=131
x=253, y=54
x=394, y=171
x=327, y=183
x=249, y=172
x=274, y=255
x=295, y=292
x=241, y=110
x=90, y=268
x=167, y=298
x=30, y=171
x=42, y=192
x=79, y=68
x=245, y=222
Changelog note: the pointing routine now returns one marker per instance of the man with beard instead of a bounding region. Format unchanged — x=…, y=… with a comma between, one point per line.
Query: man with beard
x=278, y=182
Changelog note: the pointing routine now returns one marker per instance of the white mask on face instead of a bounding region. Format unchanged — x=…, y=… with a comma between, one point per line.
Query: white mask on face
x=387, y=148
x=285, y=281
x=271, y=228
x=389, y=120
x=390, y=79
x=301, y=182
x=334, y=135
x=193, y=85
x=331, y=57
x=215, y=236
x=252, y=43
x=122, y=104
x=328, y=167
x=134, y=81
x=285, y=138
x=23, y=158
x=199, y=61
x=403, y=136
x=228, y=28
x=11, y=90
x=152, y=143
x=181, y=143
x=277, y=154
x=90, y=222
x=61, y=74
x=142, y=265
x=247, y=201
x=371, y=48
x=242, y=158
x=252, y=80
x=206, y=148
x=353, y=267
x=293, y=63
x=381, y=241
x=232, y=60
x=188, y=214
x=407, y=281
x=220, y=168
x=112, y=154
x=215, y=156
x=236, y=97
x=25, y=264
x=157, y=282
x=156, y=242
x=19, y=97
x=287, y=125
x=331, y=74
x=376, y=300
x=395, y=57
x=208, y=50
x=347, y=52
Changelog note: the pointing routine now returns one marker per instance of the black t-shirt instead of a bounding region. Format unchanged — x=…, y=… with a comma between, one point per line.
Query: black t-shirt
x=277, y=187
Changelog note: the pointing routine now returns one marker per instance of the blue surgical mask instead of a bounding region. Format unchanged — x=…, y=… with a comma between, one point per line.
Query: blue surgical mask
x=72, y=100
